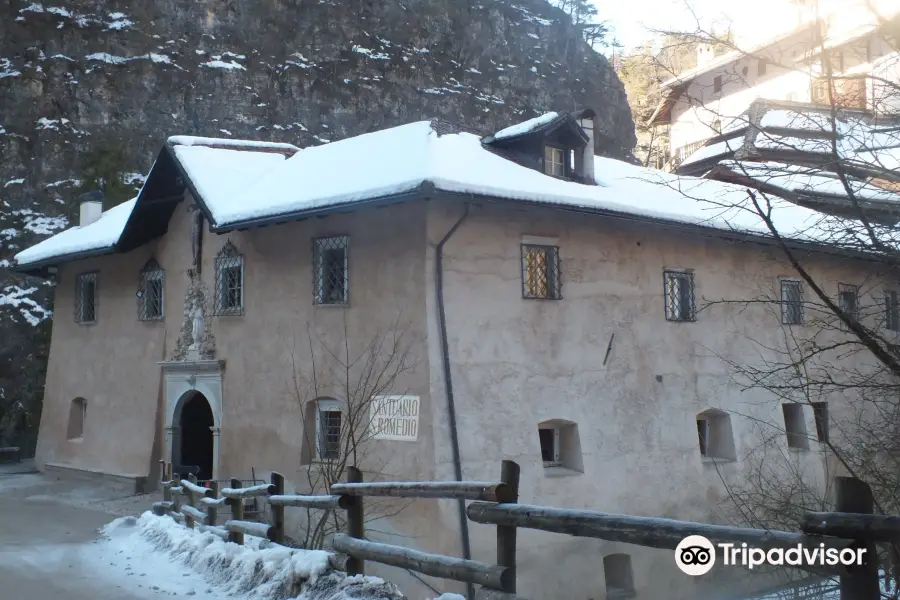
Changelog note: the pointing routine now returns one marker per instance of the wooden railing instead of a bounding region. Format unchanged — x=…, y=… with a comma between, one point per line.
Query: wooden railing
x=496, y=503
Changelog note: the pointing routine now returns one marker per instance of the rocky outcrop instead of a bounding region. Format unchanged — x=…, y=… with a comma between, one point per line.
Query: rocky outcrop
x=89, y=91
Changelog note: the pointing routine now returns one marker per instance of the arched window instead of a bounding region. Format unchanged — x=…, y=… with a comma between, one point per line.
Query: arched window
x=714, y=435
x=229, y=298
x=77, y=414
x=151, y=292
x=618, y=575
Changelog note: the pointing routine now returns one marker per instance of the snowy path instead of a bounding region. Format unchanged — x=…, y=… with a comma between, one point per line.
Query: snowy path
x=48, y=551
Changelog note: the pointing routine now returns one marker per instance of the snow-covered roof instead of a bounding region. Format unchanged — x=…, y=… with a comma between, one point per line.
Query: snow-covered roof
x=189, y=140
x=241, y=188
x=100, y=235
x=525, y=126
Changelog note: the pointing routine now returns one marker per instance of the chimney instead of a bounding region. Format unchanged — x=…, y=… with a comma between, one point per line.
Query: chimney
x=585, y=119
x=91, y=207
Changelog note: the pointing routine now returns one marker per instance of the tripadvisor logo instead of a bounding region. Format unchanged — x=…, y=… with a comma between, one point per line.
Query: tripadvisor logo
x=696, y=555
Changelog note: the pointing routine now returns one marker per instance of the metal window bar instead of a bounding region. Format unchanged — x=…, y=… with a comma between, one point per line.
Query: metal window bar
x=229, y=297
x=86, y=298
x=150, y=294
x=330, y=434
x=791, y=302
x=541, y=272
x=679, y=291
x=891, y=311
x=331, y=273
x=848, y=300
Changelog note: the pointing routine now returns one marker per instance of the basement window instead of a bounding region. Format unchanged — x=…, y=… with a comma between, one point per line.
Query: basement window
x=77, y=414
x=330, y=269
x=714, y=435
x=679, y=288
x=560, y=444
x=229, y=299
x=619, y=576
x=795, y=426
x=86, y=298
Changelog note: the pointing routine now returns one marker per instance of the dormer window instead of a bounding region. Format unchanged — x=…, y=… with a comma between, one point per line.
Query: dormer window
x=554, y=163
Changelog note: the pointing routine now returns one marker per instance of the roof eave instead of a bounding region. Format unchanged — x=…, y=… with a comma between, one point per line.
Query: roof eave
x=40, y=266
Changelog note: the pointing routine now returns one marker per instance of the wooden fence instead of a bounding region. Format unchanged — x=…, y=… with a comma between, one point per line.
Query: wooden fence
x=496, y=503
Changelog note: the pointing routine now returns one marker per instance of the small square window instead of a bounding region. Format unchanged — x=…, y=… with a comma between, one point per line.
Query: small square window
x=553, y=162
x=848, y=301
x=550, y=446
x=151, y=293
x=86, y=298
x=679, y=295
x=330, y=268
x=715, y=436
x=560, y=445
x=891, y=311
x=229, y=281
x=540, y=272
x=791, y=302
x=717, y=84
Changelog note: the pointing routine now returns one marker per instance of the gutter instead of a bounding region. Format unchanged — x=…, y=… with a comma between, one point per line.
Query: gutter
x=448, y=384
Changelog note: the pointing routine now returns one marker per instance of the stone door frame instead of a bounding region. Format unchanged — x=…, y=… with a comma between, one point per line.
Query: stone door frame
x=181, y=379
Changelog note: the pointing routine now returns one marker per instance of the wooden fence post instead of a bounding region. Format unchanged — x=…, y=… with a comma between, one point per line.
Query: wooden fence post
x=212, y=511
x=176, y=498
x=506, y=534
x=278, y=511
x=162, y=470
x=169, y=471
x=356, y=526
x=191, y=501
x=237, y=513
x=860, y=583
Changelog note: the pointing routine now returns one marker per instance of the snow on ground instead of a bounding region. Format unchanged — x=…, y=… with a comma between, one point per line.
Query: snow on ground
x=169, y=559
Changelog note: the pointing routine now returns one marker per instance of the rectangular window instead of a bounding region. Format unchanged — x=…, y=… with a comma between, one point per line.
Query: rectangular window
x=795, y=426
x=761, y=66
x=550, y=446
x=86, y=298
x=717, y=84
x=328, y=432
x=331, y=270
x=231, y=286
x=891, y=311
x=791, y=302
x=848, y=301
x=540, y=272
x=150, y=300
x=553, y=162
x=820, y=411
x=679, y=295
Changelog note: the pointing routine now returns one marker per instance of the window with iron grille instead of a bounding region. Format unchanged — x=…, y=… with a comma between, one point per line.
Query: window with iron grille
x=229, y=298
x=331, y=276
x=791, y=302
x=540, y=272
x=680, y=295
x=150, y=294
x=848, y=300
x=328, y=429
x=86, y=298
x=891, y=311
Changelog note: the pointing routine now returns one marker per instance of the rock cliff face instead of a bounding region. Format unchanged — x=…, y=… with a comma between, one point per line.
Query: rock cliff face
x=89, y=90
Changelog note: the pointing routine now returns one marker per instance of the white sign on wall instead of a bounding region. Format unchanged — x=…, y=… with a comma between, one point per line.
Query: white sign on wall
x=395, y=418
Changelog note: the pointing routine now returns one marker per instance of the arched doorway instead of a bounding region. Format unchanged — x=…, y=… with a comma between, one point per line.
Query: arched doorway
x=196, y=427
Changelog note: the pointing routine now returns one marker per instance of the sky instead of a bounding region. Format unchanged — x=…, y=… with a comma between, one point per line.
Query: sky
x=630, y=19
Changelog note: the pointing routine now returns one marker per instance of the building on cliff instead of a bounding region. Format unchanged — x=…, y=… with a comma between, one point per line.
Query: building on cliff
x=451, y=301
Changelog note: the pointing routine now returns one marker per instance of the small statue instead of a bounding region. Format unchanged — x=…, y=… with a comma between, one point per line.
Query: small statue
x=197, y=325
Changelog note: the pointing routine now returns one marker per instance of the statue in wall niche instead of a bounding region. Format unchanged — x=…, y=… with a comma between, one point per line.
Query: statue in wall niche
x=197, y=326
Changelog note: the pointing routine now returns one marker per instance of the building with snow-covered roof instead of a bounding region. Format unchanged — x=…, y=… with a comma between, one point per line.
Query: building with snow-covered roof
x=528, y=300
